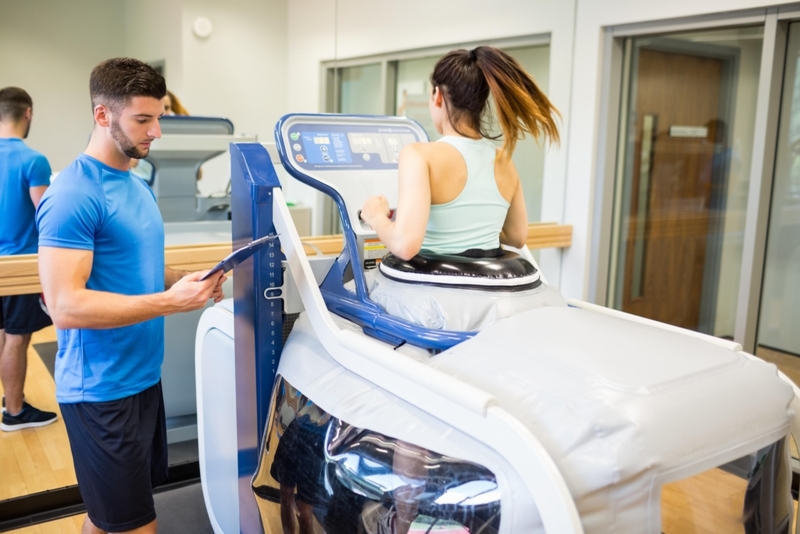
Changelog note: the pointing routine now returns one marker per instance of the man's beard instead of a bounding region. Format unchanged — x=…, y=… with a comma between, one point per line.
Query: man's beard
x=125, y=144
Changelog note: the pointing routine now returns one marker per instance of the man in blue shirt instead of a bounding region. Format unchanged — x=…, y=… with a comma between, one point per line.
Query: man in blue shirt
x=24, y=176
x=101, y=262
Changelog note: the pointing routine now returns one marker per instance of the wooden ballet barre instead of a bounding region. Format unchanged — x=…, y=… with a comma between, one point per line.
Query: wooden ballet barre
x=19, y=275
x=540, y=235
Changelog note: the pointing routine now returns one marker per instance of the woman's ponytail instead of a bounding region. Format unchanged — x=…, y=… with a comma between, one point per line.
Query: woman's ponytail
x=520, y=105
x=468, y=77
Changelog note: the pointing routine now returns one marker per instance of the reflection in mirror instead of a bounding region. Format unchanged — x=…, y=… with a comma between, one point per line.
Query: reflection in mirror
x=318, y=473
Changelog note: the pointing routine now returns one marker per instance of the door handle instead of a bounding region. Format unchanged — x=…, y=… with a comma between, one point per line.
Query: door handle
x=642, y=204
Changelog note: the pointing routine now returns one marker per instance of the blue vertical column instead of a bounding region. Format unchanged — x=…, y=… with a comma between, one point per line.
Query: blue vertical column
x=258, y=322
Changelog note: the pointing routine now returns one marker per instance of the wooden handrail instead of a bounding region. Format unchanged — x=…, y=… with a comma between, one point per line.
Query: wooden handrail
x=19, y=275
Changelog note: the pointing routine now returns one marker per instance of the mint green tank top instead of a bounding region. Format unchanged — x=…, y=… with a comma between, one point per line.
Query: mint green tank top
x=474, y=218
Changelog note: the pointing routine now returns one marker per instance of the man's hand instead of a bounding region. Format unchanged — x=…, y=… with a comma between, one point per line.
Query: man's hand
x=189, y=293
x=64, y=273
x=218, y=294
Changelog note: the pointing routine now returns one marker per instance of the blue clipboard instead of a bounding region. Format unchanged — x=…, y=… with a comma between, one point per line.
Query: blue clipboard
x=238, y=256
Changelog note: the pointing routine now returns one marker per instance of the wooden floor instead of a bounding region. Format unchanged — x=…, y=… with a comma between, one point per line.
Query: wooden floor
x=35, y=460
x=788, y=363
x=67, y=525
x=709, y=503
x=38, y=459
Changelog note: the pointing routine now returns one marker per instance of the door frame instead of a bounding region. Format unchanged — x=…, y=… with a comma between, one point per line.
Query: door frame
x=614, y=80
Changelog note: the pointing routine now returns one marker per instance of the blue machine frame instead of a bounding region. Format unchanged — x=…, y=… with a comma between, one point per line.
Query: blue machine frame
x=358, y=307
x=259, y=316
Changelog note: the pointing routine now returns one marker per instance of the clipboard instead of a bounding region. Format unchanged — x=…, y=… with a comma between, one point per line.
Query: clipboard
x=238, y=256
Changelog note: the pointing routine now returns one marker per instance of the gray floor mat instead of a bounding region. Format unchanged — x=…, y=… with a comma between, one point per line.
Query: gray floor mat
x=47, y=352
x=182, y=510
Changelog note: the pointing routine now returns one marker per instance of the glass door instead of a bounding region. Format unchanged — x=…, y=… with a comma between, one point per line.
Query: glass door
x=686, y=137
x=779, y=317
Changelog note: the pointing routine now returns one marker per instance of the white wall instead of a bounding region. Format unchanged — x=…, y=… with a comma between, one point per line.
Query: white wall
x=153, y=33
x=238, y=72
x=49, y=48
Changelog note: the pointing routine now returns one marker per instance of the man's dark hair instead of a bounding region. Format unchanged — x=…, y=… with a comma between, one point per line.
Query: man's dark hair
x=13, y=103
x=116, y=81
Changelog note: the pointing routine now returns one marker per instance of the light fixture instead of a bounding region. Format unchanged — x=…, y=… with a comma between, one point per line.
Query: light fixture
x=202, y=27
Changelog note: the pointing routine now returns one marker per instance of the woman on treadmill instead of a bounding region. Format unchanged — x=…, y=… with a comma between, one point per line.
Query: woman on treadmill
x=462, y=195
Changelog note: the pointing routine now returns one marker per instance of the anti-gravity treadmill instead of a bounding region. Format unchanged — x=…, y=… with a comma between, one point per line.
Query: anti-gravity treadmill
x=315, y=405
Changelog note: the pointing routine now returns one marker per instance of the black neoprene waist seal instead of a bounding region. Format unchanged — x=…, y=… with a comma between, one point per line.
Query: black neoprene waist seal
x=481, y=253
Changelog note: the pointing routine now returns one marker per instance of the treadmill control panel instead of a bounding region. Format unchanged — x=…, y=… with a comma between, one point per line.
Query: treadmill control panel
x=329, y=146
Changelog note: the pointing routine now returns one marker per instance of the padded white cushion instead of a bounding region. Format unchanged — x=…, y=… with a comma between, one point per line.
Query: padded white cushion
x=464, y=310
x=623, y=407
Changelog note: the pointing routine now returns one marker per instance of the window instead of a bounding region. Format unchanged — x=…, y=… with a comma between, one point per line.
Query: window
x=360, y=88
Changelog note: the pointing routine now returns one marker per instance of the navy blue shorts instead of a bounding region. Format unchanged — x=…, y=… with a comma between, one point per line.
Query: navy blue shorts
x=22, y=314
x=120, y=453
x=299, y=459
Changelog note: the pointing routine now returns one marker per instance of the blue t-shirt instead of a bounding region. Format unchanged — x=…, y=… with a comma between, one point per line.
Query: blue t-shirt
x=20, y=169
x=92, y=206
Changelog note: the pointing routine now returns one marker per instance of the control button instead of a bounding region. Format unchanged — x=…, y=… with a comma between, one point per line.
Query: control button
x=326, y=157
x=363, y=148
x=294, y=136
x=296, y=147
x=365, y=156
x=299, y=158
x=395, y=149
x=323, y=148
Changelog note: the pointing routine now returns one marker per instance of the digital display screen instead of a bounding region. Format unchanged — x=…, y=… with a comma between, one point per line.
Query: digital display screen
x=339, y=146
x=325, y=147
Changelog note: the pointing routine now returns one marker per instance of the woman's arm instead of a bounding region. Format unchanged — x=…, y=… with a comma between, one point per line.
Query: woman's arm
x=515, y=227
x=403, y=236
